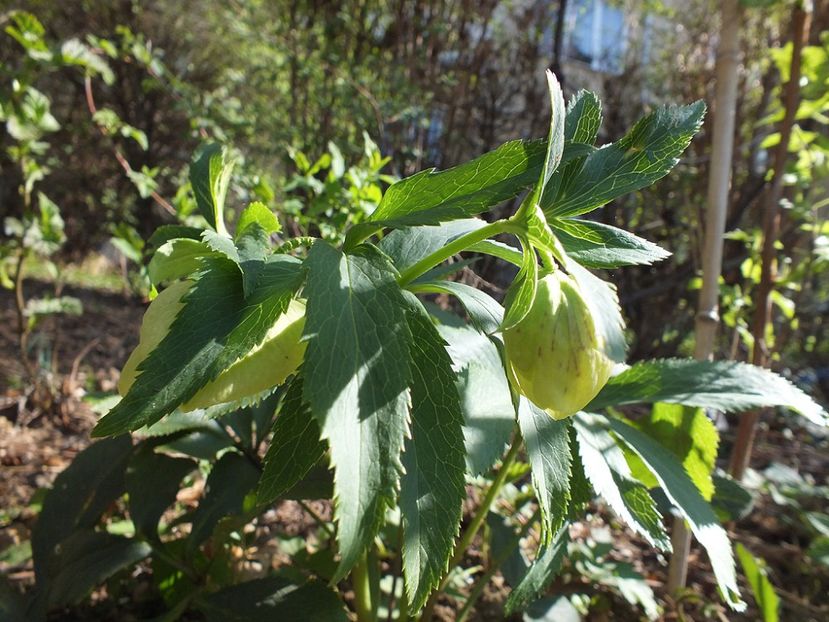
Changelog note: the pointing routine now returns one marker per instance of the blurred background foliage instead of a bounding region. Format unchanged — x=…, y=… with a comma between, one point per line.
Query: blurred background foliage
x=325, y=103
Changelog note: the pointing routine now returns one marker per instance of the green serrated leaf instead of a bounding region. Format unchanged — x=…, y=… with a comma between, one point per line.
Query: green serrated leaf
x=356, y=381
x=555, y=141
x=542, y=571
x=581, y=127
x=603, y=301
x=486, y=401
x=595, y=245
x=430, y=197
x=230, y=480
x=210, y=177
x=580, y=491
x=690, y=435
x=764, y=595
x=483, y=310
x=295, y=446
x=215, y=327
x=721, y=385
x=605, y=466
x=548, y=451
x=685, y=497
x=645, y=154
x=584, y=118
x=259, y=214
x=432, y=489
x=153, y=481
x=254, y=248
x=222, y=244
x=177, y=259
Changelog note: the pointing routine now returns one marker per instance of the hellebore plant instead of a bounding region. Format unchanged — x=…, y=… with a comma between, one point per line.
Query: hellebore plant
x=351, y=372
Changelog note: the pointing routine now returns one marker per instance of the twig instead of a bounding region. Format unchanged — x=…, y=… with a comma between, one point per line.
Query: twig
x=76, y=363
x=495, y=565
x=90, y=104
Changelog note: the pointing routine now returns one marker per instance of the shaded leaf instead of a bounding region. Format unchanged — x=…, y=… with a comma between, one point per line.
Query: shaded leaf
x=486, y=401
x=273, y=598
x=603, y=301
x=409, y=245
x=432, y=489
x=294, y=449
x=80, y=495
x=730, y=501
x=542, y=571
x=483, y=310
x=548, y=451
x=356, y=382
x=231, y=479
x=504, y=545
x=86, y=559
x=153, y=481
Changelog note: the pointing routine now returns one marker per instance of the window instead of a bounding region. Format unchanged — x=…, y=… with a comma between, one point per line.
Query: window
x=595, y=34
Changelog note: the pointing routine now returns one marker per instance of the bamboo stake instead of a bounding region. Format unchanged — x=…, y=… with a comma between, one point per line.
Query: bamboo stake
x=719, y=182
x=801, y=23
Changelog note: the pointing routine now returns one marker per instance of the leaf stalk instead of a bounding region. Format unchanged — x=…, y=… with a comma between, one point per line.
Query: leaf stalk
x=456, y=246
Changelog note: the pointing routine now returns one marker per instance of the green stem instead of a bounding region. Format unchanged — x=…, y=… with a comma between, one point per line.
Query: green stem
x=403, y=607
x=361, y=579
x=174, y=561
x=295, y=243
x=547, y=260
x=475, y=524
x=454, y=247
x=398, y=576
x=496, y=563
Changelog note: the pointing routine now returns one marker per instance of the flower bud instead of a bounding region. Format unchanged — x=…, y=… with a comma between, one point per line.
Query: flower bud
x=555, y=356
